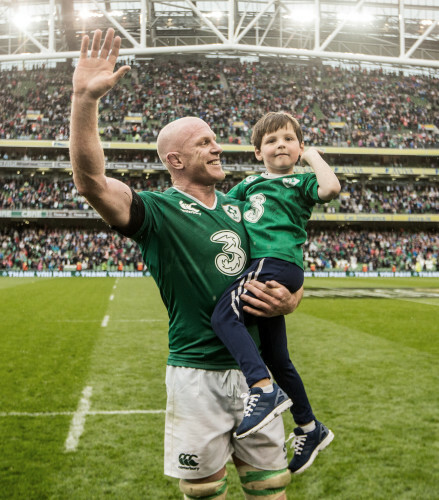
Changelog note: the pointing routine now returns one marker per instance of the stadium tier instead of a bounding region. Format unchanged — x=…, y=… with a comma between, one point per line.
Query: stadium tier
x=378, y=129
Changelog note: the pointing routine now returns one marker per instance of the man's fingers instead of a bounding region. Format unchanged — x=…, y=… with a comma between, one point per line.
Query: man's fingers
x=115, y=50
x=106, y=46
x=261, y=290
x=84, y=47
x=95, y=44
x=254, y=312
x=255, y=302
x=120, y=73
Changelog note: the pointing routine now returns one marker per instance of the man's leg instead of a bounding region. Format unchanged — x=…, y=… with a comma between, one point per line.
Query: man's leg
x=259, y=484
x=212, y=487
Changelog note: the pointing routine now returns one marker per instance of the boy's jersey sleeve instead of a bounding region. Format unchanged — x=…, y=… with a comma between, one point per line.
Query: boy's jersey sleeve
x=310, y=188
x=238, y=192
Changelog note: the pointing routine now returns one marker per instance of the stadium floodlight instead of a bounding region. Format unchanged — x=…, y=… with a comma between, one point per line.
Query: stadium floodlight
x=84, y=13
x=21, y=19
x=305, y=14
x=215, y=15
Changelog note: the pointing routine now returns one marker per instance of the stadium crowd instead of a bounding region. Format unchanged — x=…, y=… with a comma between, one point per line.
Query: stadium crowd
x=59, y=249
x=336, y=106
x=367, y=197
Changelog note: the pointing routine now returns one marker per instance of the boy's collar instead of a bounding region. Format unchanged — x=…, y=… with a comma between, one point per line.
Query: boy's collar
x=269, y=175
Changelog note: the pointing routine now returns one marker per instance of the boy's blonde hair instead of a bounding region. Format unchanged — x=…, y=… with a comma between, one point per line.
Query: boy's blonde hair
x=271, y=122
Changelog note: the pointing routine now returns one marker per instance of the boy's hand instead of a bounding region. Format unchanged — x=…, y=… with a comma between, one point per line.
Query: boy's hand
x=270, y=299
x=94, y=76
x=309, y=154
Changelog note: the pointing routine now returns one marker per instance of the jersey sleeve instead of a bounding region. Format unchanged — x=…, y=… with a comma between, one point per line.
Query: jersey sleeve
x=238, y=192
x=153, y=217
x=310, y=188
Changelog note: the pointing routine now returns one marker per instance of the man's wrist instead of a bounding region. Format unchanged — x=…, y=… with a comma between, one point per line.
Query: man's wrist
x=84, y=97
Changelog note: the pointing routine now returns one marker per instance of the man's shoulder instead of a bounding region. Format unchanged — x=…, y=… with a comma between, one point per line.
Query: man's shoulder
x=156, y=194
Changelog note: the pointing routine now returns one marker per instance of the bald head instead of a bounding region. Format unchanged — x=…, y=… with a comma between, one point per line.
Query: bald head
x=173, y=135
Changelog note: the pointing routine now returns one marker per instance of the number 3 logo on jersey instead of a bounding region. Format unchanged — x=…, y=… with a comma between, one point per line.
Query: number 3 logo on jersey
x=257, y=208
x=233, y=258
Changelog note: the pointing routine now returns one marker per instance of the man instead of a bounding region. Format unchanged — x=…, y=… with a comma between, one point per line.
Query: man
x=194, y=244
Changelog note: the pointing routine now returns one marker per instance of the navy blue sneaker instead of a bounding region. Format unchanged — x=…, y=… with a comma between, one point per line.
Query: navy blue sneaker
x=261, y=408
x=307, y=446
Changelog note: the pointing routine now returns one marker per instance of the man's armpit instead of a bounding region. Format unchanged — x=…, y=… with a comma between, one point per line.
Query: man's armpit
x=137, y=216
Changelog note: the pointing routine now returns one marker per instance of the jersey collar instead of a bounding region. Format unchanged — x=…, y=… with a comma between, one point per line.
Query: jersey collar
x=198, y=201
x=269, y=175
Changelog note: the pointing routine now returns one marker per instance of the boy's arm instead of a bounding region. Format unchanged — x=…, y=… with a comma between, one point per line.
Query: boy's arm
x=329, y=186
x=237, y=192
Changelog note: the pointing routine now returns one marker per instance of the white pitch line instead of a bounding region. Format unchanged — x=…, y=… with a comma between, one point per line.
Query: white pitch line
x=35, y=414
x=138, y=320
x=70, y=413
x=126, y=412
x=105, y=321
x=111, y=297
x=78, y=420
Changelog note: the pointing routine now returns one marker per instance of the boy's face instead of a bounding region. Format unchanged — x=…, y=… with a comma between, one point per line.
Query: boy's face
x=280, y=150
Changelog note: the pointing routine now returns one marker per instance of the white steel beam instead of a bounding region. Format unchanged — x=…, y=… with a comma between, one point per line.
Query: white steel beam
x=231, y=32
x=254, y=21
x=52, y=12
x=421, y=38
x=316, y=24
x=260, y=42
x=239, y=49
x=116, y=24
x=401, y=20
x=35, y=42
x=339, y=27
x=238, y=28
x=143, y=23
x=207, y=21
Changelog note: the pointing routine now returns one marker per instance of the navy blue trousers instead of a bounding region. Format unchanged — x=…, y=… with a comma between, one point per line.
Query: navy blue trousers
x=229, y=323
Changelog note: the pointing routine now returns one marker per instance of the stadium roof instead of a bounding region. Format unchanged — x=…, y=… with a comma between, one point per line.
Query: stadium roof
x=398, y=32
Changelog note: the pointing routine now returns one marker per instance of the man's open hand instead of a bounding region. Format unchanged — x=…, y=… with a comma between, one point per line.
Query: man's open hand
x=94, y=76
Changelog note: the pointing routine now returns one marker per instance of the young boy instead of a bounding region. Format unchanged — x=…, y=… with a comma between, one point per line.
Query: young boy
x=278, y=207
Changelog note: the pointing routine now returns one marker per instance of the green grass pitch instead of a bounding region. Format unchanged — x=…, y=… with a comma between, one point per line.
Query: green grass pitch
x=370, y=366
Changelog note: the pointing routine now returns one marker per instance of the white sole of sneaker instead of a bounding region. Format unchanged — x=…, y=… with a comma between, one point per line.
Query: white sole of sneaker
x=328, y=439
x=275, y=413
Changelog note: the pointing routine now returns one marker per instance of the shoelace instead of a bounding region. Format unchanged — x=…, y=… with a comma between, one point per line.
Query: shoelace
x=250, y=402
x=298, y=443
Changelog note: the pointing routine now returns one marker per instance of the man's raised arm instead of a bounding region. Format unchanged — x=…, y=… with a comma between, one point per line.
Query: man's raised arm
x=94, y=76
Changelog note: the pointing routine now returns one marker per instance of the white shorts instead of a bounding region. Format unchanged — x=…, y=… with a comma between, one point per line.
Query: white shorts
x=204, y=408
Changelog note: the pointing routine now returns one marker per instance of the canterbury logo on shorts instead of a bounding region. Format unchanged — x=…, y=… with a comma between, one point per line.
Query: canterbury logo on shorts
x=187, y=461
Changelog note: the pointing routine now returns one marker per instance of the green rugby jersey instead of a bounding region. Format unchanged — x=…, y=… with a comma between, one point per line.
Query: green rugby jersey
x=193, y=253
x=276, y=213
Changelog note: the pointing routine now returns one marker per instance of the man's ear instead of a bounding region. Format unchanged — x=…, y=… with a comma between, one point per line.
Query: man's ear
x=174, y=160
x=258, y=154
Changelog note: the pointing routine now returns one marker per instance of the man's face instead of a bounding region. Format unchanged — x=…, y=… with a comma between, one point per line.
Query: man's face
x=280, y=150
x=201, y=154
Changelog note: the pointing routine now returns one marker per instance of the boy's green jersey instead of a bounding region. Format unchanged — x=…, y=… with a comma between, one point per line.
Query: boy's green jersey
x=276, y=213
x=193, y=253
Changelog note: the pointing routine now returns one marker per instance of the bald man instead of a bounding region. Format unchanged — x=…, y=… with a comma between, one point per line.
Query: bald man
x=194, y=244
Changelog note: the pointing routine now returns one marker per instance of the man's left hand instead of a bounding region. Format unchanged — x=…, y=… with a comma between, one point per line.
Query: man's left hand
x=270, y=299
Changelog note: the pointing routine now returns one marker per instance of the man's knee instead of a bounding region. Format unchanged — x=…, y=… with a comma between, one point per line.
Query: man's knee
x=215, y=490
x=262, y=484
